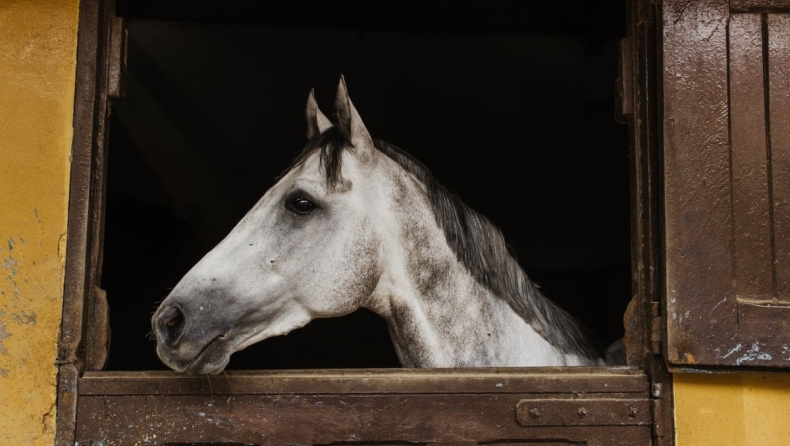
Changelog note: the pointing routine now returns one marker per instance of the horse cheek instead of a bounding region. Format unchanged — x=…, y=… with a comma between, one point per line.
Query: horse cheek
x=355, y=273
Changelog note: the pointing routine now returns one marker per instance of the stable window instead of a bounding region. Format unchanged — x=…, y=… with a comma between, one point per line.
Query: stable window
x=505, y=103
x=516, y=118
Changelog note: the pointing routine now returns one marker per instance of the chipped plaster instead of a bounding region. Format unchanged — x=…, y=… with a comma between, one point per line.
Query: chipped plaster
x=37, y=78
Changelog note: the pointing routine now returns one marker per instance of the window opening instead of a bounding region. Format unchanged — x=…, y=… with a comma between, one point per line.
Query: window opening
x=214, y=111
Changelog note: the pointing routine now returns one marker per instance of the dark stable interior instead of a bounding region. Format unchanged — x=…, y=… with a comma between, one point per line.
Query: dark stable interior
x=509, y=104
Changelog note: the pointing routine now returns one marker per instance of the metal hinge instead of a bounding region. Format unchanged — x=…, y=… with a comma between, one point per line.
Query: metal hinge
x=98, y=338
x=657, y=407
x=116, y=66
x=624, y=112
x=656, y=328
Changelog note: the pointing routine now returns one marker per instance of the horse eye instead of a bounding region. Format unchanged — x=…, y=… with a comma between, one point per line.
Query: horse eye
x=300, y=205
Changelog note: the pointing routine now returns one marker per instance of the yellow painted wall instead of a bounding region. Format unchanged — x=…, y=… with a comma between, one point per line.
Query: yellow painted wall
x=737, y=410
x=38, y=41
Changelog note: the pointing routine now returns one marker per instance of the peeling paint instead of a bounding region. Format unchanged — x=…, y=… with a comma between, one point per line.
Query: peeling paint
x=48, y=420
x=717, y=305
x=62, y=246
x=696, y=370
x=24, y=318
x=4, y=334
x=753, y=354
x=737, y=348
x=10, y=264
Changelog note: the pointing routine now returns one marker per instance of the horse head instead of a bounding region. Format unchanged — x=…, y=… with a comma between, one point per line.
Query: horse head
x=354, y=224
x=308, y=249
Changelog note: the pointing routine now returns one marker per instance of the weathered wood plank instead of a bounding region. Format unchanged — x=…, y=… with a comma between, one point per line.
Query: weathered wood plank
x=324, y=419
x=750, y=5
x=750, y=191
x=432, y=381
x=697, y=202
x=779, y=103
x=726, y=185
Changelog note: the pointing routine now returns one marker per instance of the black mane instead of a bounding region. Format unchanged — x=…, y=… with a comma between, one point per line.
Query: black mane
x=478, y=244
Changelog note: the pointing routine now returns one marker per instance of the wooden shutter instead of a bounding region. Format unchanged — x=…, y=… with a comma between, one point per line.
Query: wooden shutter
x=726, y=78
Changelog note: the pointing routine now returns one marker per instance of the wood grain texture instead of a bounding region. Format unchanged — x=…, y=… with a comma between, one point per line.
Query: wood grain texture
x=697, y=203
x=750, y=191
x=726, y=186
x=430, y=381
x=414, y=406
x=779, y=102
x=328, y=419
x=750, y=5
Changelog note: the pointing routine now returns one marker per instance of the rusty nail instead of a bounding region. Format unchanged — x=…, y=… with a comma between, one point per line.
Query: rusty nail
x=632, y=412
x=534, y=413
x=582, y=412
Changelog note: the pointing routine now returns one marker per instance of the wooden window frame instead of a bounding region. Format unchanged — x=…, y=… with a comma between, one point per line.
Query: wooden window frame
x=566, y=405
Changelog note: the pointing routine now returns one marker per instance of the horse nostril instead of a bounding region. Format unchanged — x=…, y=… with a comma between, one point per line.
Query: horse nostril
x=175, y=320
x=171, y=323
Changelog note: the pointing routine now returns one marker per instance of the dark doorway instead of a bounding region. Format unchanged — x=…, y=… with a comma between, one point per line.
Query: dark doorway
x=215, y=111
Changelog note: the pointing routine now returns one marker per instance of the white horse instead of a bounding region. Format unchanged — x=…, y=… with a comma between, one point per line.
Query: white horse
x=356, y=222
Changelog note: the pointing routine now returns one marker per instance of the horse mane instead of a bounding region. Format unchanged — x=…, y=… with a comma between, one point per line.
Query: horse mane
x=478, y=244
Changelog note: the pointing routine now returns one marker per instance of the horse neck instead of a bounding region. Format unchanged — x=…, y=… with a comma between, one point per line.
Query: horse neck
x=438, y=314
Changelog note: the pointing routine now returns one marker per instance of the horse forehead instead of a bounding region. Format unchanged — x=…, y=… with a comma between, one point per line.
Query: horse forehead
x=308, y=173
x=309, y=169
x=313, y=170
x=312, y=164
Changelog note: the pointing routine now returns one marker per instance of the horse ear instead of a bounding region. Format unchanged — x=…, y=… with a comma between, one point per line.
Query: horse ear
x=350, y=123
x=317, y=122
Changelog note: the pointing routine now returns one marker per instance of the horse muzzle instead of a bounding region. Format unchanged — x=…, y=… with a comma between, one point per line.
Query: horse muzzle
x=185, y=349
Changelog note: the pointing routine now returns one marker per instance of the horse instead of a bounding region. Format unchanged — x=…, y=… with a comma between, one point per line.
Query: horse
x=356, y=222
